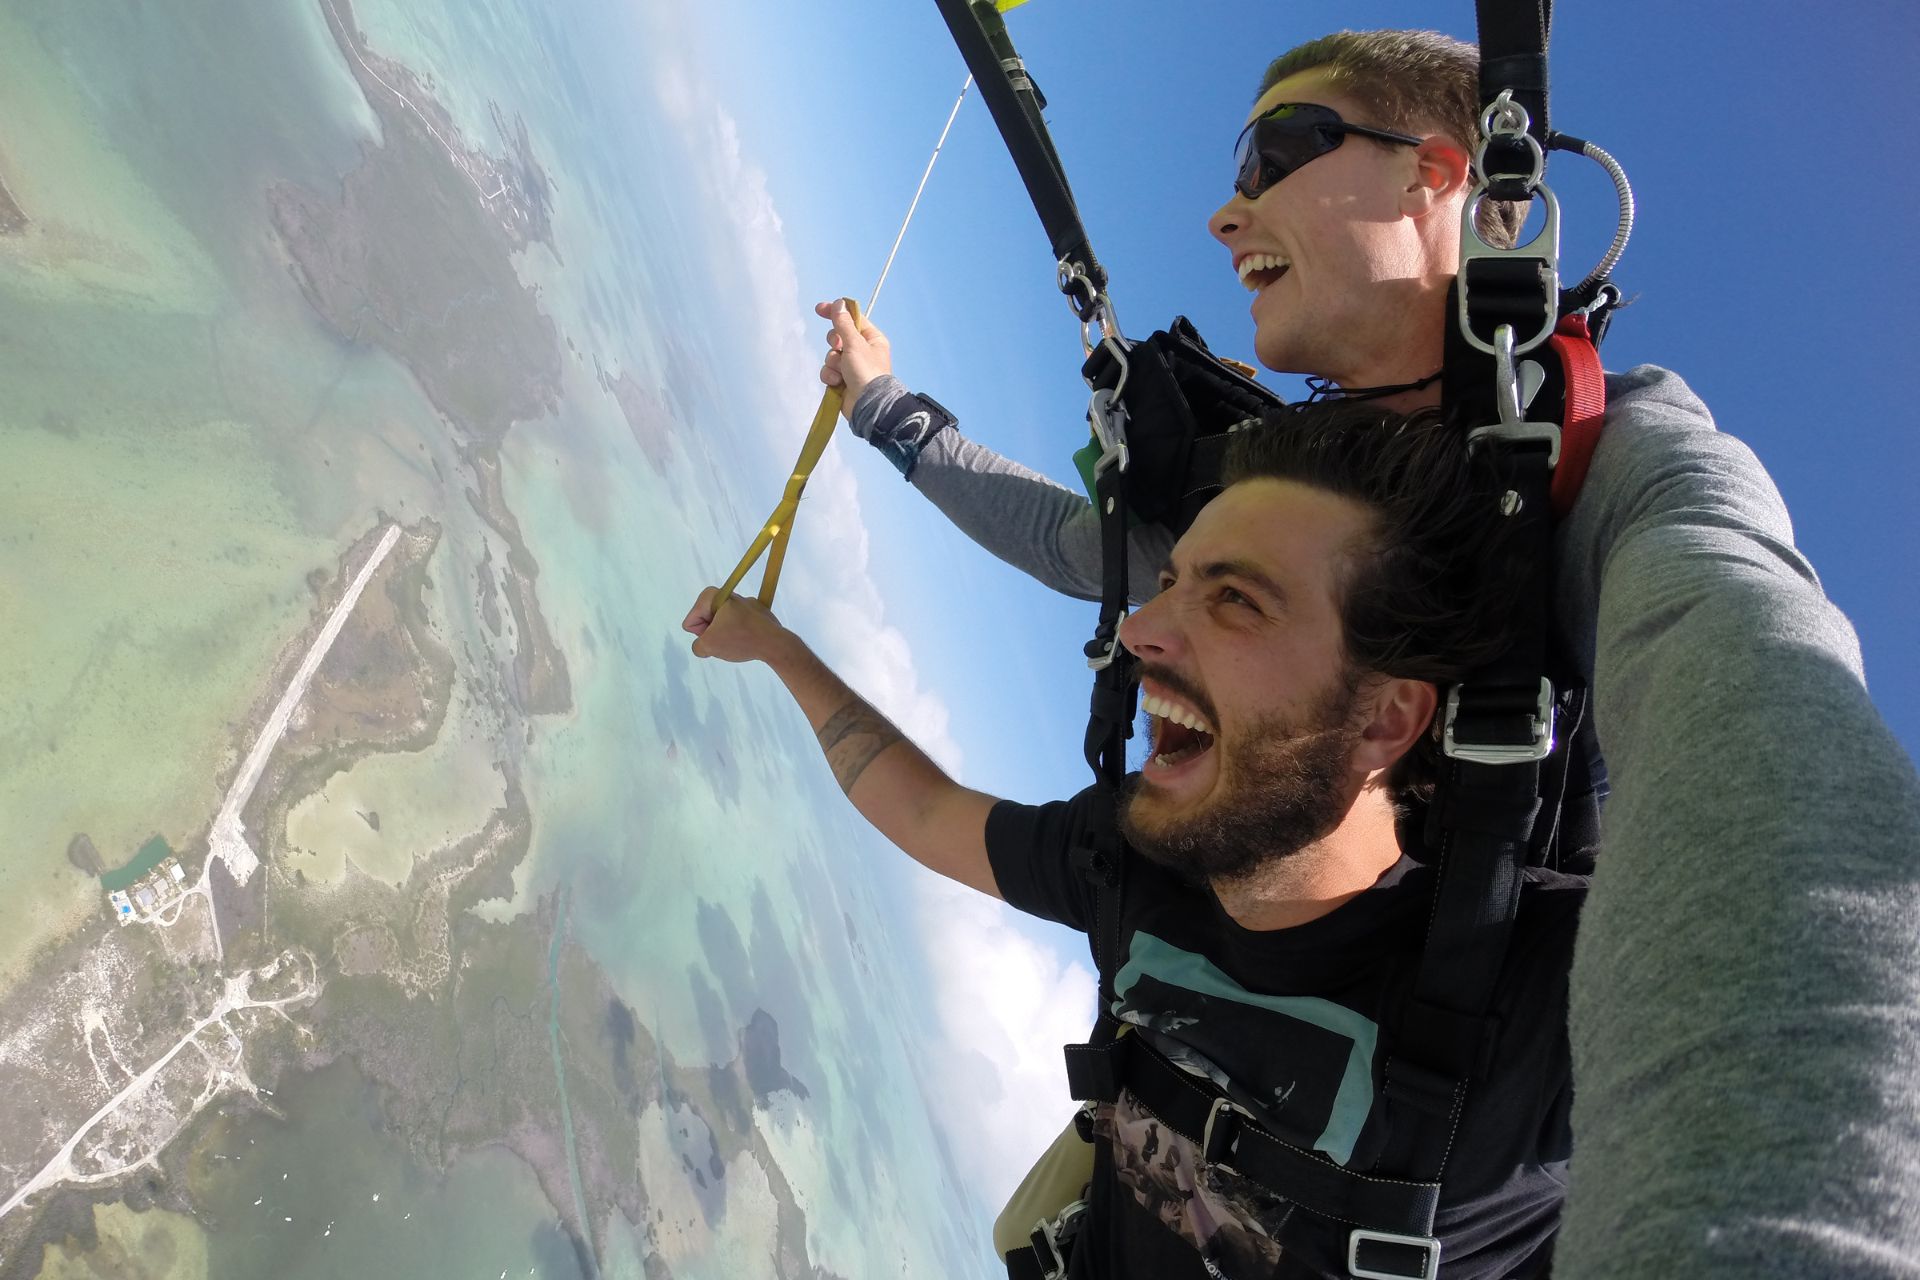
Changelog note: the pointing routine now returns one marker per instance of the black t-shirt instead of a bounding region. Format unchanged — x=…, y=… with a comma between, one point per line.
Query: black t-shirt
x=1289, y=1022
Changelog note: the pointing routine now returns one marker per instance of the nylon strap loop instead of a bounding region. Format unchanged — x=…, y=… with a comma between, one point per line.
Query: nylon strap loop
x=1586, y=408
x=775, y=533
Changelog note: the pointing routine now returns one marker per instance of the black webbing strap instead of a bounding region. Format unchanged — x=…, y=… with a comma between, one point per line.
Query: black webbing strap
x=1513, y=55
x=1227, y=1136
x=1513, y=59
x=1015, y=103
x=1102, y=858
x=1024, y=1264
x=1482, y=823
x=1109, y=726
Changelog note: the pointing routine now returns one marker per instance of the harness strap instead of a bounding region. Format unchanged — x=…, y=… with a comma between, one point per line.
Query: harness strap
x=1229, y=1137
x=1513, y=54
x=1586, y=408
x=1499, y=727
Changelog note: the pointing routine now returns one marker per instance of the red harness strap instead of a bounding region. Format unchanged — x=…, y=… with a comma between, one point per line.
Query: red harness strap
x=1586, y=408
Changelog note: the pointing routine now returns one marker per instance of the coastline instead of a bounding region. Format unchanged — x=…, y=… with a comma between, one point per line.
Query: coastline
x=13, y=219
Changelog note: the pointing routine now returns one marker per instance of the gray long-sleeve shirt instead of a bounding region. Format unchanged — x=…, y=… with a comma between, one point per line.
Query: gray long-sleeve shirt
x=1746, y=988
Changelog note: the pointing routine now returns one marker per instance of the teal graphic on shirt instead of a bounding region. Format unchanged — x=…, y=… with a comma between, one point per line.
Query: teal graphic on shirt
x=1317, y=1087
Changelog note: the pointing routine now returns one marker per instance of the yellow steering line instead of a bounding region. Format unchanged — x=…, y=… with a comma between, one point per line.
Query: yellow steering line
x=773, y=535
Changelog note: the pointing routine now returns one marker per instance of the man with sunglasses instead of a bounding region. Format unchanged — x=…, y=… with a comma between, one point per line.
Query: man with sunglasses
x=1743, y=1011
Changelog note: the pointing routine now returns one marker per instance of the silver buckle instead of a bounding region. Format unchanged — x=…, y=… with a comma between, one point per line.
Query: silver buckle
x=1241, y=1114
x=1112, y=651
x=1538, y=748
x=1505, y=117
x=1109, y=428
x=1521, y=431
x=1429, y=1247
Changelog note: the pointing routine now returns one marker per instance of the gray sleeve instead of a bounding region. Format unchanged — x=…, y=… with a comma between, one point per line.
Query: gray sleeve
x=1746, y=989
x=1041, y=528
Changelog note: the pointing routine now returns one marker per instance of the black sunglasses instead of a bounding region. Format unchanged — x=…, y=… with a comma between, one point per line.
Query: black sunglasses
x=1290, y=135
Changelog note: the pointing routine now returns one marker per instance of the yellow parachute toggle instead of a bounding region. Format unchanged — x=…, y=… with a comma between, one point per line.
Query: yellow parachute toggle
x=773, y=536
x=1004, y=5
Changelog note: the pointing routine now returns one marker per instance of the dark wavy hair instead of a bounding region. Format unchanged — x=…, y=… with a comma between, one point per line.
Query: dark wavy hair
x=1429, y=592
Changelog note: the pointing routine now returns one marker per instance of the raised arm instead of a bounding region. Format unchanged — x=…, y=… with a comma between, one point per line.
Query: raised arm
x=1744, y=1007
x=1043, y=529
x=907, y=797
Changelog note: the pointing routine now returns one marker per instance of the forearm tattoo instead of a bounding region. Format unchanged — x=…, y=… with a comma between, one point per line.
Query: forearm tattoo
x=852, y=737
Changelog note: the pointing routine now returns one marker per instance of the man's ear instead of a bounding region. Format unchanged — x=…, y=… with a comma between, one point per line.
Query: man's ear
x=1402, y=711
x=1441, y=171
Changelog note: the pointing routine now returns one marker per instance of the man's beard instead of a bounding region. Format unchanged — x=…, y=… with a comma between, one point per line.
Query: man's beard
x=1283, y=793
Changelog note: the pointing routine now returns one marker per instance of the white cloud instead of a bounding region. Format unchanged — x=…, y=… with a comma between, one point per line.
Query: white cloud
x=1004, y=1003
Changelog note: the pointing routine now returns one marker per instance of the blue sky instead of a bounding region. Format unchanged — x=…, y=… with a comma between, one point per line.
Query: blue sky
x=1768, y=268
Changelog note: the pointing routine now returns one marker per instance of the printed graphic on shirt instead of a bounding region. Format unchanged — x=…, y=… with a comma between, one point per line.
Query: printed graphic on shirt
x=1233, y=1225
x=1302, y=1064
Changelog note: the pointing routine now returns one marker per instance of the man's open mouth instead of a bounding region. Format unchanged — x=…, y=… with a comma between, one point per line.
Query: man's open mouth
x=1258, y=270
x=1179, y=733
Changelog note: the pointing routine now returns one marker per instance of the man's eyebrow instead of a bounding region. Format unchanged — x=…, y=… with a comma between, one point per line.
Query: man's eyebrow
x=1247, y=571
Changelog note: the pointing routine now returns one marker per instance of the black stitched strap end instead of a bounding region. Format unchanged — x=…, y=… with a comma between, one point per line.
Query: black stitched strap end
x=1095, y=1071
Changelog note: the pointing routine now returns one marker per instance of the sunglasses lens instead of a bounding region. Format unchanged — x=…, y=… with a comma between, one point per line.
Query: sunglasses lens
x=1276, y=144
x=1248, y=178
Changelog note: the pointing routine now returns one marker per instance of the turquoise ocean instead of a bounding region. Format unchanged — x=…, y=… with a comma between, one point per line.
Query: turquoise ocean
x=710, y=864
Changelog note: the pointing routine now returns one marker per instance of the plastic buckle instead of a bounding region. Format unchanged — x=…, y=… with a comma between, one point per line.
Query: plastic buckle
x=1538, y=747
x=1217, y=1142
x=1428, y=1266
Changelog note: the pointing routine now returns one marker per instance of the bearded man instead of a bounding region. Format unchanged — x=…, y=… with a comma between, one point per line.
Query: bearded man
x=1290, y=664
x=1747, y=1101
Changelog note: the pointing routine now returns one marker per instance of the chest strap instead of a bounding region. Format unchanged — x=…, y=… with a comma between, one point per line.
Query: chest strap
x=1230, y=1137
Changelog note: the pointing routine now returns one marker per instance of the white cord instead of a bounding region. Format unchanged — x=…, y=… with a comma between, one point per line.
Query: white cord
x=916, y=194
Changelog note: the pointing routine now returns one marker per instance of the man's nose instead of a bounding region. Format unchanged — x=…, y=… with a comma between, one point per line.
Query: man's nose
x=1144, y=632
x=1228, y=218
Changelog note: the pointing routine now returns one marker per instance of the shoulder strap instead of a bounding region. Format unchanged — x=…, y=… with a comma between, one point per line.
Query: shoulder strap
x=1513, y=54
x=1497, y=730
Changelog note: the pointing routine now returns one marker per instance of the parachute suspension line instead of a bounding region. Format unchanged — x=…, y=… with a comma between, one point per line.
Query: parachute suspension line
x=918, y=191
